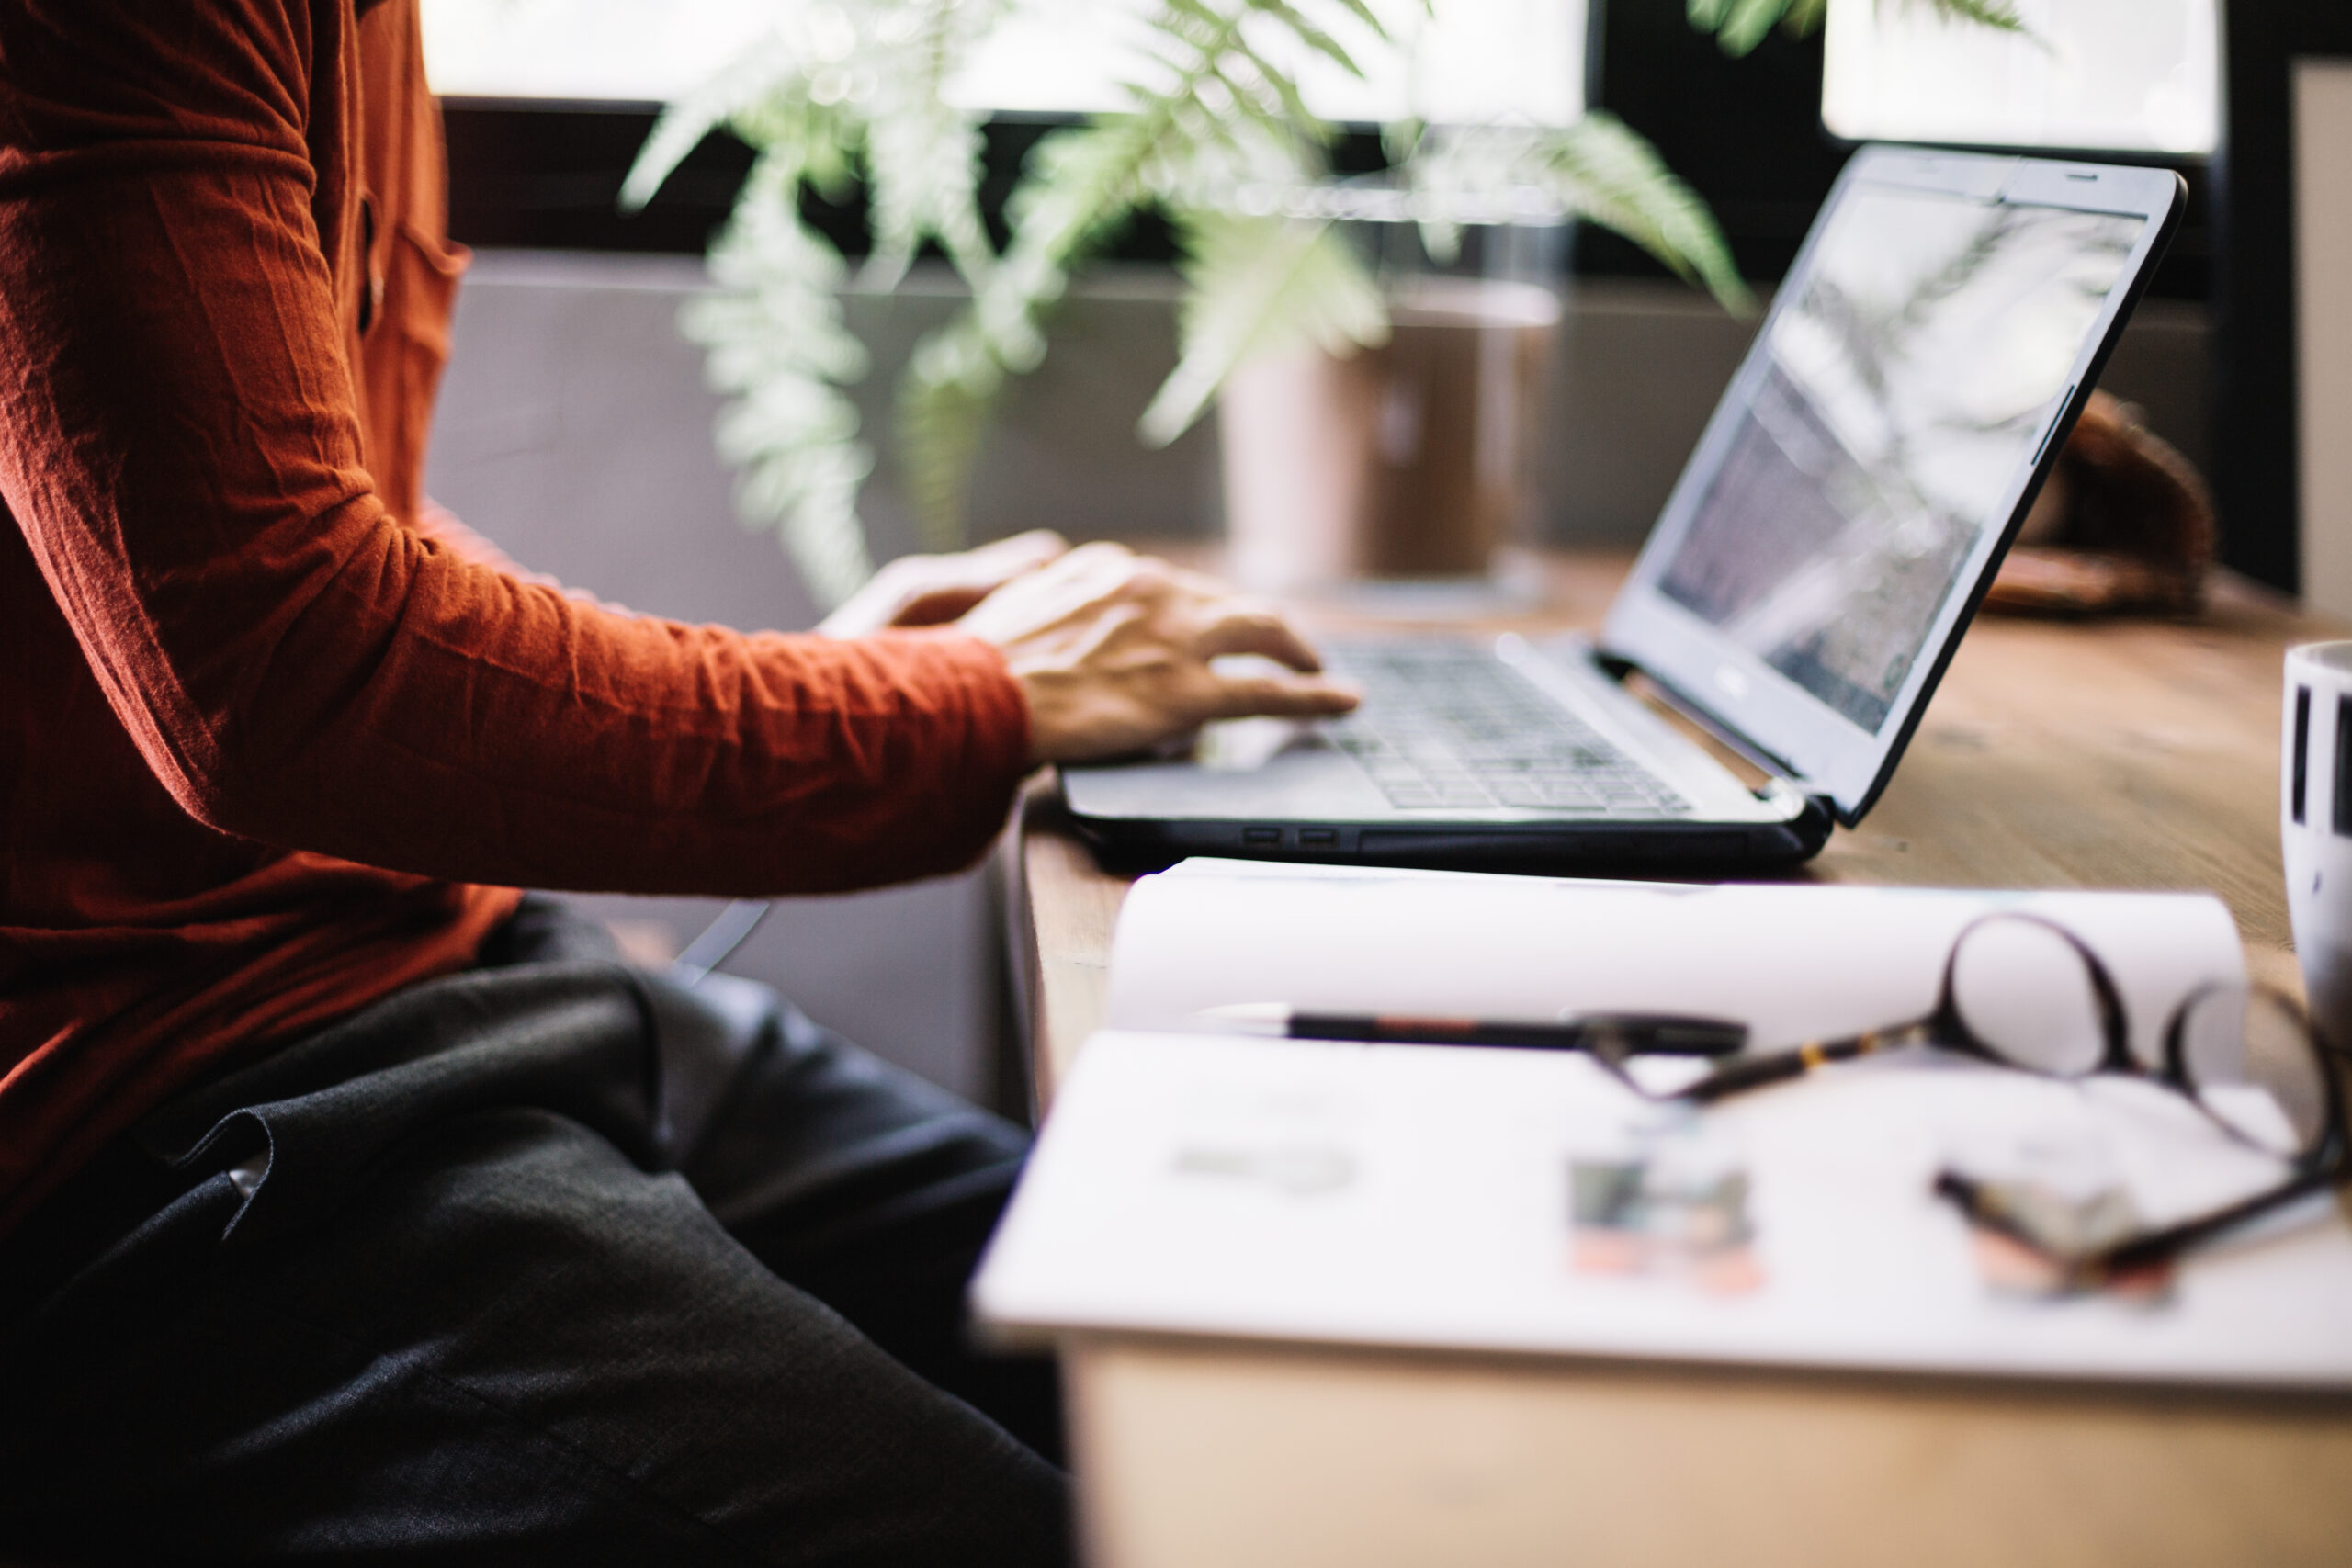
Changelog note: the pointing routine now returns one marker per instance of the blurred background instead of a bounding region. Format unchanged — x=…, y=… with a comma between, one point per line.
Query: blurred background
x=575, y=425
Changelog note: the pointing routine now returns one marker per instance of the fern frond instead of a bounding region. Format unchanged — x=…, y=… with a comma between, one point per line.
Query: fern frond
x=1745, y=22
x=1739, y=25
x=1258, y=285
x=1803, y=17
x=1304, y=30
x=780, y=349
x=1214, y=98
x=923, y=153
x=2002, y=15
x=926, y=169
x=944, y=403
x=855, y=87
x=1600, y=169
x=1597, y=168
x=684, y=123
x=1363, y=14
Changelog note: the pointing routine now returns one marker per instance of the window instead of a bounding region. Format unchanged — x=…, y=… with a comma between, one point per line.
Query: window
x=630, y=51
x=1479, y=59
x=2122, y=76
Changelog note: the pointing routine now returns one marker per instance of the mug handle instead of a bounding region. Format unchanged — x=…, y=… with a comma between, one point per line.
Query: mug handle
x=2301, y=765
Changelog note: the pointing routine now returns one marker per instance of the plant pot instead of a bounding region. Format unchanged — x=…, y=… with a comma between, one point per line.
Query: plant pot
x=1408, y=461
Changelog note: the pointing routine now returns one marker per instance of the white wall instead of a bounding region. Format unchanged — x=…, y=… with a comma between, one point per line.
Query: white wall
x=2323, y=109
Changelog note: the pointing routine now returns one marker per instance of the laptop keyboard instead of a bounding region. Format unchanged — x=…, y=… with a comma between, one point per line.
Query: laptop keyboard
x=1447, y=727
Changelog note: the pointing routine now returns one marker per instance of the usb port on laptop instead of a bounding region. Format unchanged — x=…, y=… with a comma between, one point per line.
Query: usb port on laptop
x=1318, y=838
x=1262, y=838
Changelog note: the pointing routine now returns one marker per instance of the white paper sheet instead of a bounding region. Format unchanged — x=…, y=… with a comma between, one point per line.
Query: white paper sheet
x=1794, y=962
x=1420, y=1195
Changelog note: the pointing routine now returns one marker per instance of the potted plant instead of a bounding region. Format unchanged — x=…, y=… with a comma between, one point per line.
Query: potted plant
x=1217, y=135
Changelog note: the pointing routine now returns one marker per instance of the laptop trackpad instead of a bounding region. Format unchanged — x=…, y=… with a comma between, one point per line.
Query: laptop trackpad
x=1246, y=745
x=1245, y=767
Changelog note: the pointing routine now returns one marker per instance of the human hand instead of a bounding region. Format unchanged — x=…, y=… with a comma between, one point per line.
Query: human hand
x=1113, y=650
x=927, y=591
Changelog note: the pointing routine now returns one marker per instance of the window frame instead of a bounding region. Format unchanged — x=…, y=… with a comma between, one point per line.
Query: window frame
x=2257, y=449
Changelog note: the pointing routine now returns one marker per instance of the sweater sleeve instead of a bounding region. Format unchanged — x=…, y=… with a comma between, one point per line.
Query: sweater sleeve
x=178, y=444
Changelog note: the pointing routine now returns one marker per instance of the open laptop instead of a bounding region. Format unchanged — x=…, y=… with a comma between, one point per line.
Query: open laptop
x=1799, y=597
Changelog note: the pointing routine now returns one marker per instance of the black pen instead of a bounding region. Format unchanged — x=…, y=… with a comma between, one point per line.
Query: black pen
x=1616, y=1035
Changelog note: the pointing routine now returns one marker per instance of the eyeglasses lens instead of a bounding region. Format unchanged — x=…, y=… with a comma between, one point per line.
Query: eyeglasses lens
x=2026, y=994
x=2248, y=1059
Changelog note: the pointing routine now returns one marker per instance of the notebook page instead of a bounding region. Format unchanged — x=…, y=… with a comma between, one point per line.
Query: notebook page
x=1794, y=961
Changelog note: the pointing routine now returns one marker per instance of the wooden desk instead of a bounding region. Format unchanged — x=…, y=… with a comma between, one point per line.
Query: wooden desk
x=2132, y=755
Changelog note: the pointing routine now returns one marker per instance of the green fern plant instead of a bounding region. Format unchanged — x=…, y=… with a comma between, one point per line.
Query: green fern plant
x=1214, y=133
x=1740, y=25
x=836, y=91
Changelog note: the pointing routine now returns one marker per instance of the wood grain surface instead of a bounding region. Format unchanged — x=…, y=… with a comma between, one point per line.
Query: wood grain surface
x=2127, y=754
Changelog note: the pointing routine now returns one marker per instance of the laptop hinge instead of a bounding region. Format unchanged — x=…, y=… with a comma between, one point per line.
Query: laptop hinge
x=1618, y=667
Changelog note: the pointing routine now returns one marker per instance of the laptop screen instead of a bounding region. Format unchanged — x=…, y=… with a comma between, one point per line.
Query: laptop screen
x=1904, y=385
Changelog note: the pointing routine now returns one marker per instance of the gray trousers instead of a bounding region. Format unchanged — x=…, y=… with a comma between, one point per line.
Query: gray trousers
x=553, y=1261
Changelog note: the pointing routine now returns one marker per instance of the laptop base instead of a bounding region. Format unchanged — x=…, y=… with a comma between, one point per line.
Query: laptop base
x=1140, y=845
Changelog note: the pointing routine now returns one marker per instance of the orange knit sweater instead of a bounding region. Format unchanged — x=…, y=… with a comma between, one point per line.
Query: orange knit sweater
x=271, y=745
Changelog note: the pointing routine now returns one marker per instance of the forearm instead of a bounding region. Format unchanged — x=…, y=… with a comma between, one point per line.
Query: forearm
x=440, y=718
x=411, y=710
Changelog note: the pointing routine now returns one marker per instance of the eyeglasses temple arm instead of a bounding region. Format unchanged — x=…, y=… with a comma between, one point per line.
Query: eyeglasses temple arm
x=1755, y=1072
x=2157, y=1247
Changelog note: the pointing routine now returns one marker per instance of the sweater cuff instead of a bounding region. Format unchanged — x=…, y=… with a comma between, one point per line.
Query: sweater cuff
x=984, y=758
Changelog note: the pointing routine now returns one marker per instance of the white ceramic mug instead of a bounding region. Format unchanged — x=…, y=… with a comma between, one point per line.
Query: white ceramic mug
x=2315, y=825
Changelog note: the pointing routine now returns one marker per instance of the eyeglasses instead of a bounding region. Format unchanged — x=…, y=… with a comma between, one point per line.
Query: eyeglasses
x=2022, y=992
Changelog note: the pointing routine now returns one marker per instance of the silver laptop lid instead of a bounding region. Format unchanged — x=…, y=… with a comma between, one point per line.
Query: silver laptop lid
x=1853, y=493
